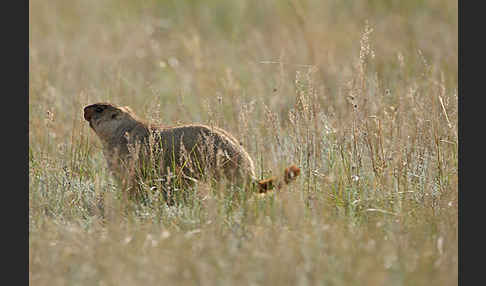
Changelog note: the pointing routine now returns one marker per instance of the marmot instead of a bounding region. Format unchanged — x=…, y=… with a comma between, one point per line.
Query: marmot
x=136, y=151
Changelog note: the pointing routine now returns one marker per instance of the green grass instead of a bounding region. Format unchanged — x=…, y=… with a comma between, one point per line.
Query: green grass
x=361, y=95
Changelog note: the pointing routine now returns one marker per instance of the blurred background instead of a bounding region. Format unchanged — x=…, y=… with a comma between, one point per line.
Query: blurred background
x=362, y=95
x=171, y=53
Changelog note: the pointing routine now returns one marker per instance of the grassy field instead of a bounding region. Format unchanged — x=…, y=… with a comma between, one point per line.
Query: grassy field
x=361, y=95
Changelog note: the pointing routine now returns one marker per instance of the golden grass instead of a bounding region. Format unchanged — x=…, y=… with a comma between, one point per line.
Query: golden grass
x=361, y=96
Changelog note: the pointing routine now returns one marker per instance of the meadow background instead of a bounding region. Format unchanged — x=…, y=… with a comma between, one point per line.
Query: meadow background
x=362, y=95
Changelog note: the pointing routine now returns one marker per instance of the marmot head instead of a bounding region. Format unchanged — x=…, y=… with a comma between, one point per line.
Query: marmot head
x=105, y=118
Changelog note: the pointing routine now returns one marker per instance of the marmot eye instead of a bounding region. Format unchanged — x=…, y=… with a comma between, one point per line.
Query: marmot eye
x=99, y=109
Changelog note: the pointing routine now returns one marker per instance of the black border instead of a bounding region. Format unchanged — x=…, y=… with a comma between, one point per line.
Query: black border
x=15, y=128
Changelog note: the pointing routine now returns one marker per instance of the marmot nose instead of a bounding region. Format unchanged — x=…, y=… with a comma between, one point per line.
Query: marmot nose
x=88, y=112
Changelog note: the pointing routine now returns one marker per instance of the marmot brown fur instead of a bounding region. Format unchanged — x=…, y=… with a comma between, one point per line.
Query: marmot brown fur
x=136, y=151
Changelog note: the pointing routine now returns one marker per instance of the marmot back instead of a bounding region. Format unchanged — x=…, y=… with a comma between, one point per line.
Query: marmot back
x=200, y=149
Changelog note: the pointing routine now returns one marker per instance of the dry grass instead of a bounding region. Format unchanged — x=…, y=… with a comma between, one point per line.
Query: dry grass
x=362, y=96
